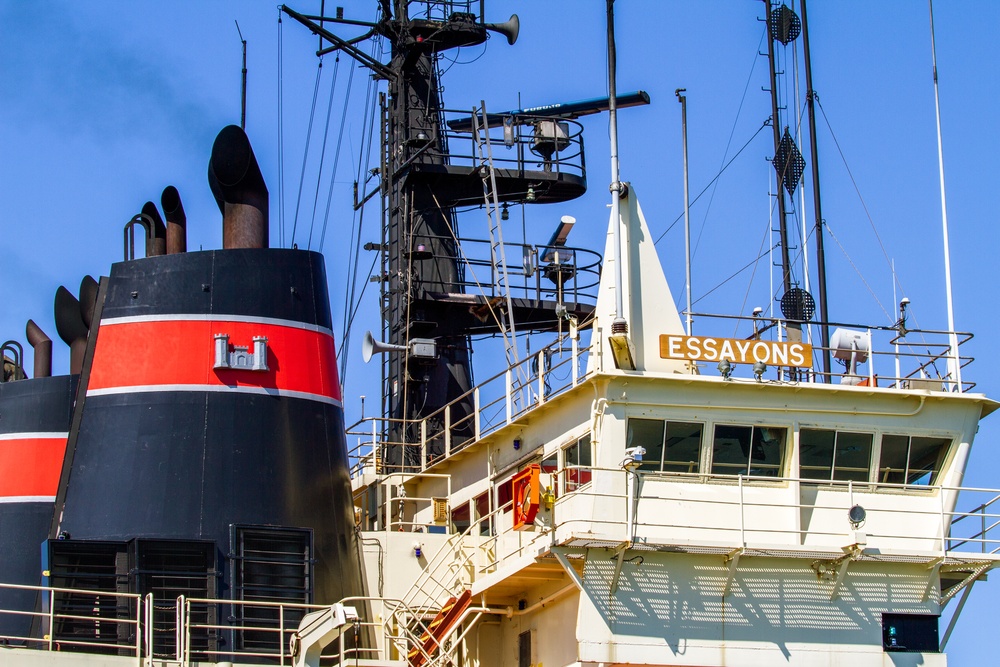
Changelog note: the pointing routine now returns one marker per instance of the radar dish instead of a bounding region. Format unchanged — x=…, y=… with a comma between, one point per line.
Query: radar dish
x=798, y=304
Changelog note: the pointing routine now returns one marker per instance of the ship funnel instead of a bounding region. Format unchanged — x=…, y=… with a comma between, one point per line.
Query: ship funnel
x=508, y=29
x=239, y=189
x=370, y=347
x=71, y=328
x=156, y=243
x=42, y=345
x=173, y=210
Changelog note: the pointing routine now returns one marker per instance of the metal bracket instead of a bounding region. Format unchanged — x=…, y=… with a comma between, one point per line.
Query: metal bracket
x=619, y=559
x=836, y=570
x=934, y=576
x=732, y=561
x=976, y=573
x=240, y=358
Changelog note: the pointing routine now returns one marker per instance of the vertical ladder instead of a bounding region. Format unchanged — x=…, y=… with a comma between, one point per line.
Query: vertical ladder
x=484, y=155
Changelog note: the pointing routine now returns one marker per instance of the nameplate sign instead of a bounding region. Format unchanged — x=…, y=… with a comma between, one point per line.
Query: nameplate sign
x=736, y=350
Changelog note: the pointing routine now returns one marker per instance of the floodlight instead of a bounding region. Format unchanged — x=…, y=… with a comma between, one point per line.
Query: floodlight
x=759, y=368
x=857, y=515
x=725, y=368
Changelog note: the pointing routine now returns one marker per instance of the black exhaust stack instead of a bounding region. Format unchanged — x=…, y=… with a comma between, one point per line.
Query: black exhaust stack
x=157, y=245
x=239, y=189
x=71, y=328
x=170, y=200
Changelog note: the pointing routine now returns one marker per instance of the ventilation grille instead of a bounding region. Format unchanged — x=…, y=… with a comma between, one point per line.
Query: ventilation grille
x=270, y=565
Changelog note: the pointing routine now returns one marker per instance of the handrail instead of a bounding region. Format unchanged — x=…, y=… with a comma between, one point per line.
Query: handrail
x=502, y=395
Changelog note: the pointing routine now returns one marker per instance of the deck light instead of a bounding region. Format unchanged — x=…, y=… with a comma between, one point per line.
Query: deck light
x=725, y=368
x=857, y=515
x=759, y=368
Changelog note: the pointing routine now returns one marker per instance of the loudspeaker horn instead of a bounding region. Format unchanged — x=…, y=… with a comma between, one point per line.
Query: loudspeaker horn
x=371, y=347
x=508, y=29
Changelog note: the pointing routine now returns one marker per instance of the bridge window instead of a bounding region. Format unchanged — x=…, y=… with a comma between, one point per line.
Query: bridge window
x=578, y=460
x=911, y=460
x=757, y=451
x=834, y=455
x=670, y=446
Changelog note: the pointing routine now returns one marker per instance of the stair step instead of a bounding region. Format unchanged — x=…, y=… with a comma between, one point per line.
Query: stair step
x=439, y=627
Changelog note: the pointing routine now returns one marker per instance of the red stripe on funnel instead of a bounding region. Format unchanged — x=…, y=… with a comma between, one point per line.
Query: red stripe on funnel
x=182, y=352
x=30, y=466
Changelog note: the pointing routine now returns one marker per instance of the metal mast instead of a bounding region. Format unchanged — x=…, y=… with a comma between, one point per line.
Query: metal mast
x=427, y=315
x=817, y=207
x=786, y=267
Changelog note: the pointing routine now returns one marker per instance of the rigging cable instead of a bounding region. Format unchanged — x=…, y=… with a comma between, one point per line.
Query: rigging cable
x=856, y=270
x=729, y=142
x=322, y=151
x=738, y=272
x=864, y=205
x=756, y=262
x=714, y=179
x=305, y=151
x=352, y=305
x=336, y=159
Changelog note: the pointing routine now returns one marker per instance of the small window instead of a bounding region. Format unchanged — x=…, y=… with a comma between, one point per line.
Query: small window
x=648, y=434
x=757, y=451
x=579, y=460
x=670, y=446
x=911, y=460
x=834, y=455
x=682, y=447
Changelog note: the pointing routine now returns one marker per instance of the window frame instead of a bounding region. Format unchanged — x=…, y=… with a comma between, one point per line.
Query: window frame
x=700, y=462
x=944, y=458
x=783, y=463
x=874, y=448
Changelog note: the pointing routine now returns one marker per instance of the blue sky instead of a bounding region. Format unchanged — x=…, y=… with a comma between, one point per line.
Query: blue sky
x=106, y=103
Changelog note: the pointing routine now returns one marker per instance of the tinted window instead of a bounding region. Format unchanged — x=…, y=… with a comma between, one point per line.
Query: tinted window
x=682, y=447
x=648, y=434
x=911, y=460
x=748, y=450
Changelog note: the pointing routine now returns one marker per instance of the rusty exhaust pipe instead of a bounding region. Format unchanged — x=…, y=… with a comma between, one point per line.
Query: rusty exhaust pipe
x=173, y=210
x=157, y=245
x=71, y=328
x=239, y=189
x=42, y=345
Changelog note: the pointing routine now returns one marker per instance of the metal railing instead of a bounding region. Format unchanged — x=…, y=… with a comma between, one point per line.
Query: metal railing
x=569, y=275
x=897, y=357
x=112, y=625
x=496, y=402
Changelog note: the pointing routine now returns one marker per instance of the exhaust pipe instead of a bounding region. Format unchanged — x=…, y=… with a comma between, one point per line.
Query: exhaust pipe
x=71, y=328
x=42, y=345
x=239, y=189
x=88, y=301
x=176, y=220
x=157, y=245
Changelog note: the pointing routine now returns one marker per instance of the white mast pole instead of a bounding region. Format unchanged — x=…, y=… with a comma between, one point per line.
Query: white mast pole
x=620, y=325
x=687, y=209
x=954, y=361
